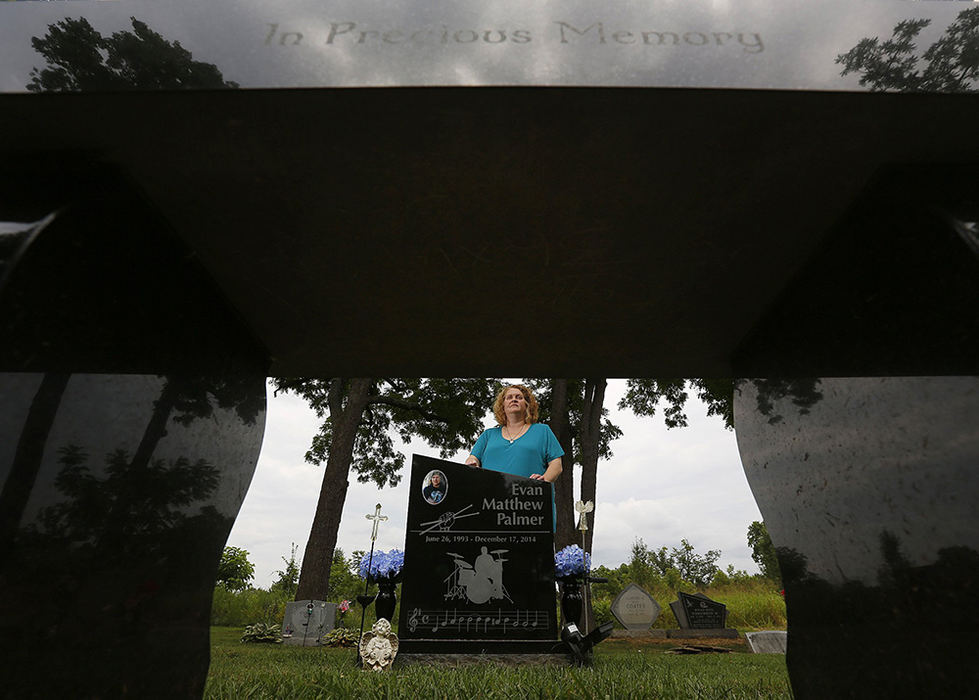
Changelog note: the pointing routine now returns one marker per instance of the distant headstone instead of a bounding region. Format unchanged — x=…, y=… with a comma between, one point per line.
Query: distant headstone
x=698, y=612
x=635, y=609
x=767, y=641
x=306, y=621
x=479, y=563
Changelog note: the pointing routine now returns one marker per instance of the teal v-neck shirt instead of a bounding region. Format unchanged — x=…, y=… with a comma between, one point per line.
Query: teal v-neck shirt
x=529, y=454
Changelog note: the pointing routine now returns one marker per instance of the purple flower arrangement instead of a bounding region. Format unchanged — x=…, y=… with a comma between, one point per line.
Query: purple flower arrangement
x=385, y=566
x=571, y=561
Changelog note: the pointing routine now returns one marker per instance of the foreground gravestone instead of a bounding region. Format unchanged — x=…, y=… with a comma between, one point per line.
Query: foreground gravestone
x=767, y=641
x=635, y=610
x=699, y=616
x=306, y=621
x=479, y=563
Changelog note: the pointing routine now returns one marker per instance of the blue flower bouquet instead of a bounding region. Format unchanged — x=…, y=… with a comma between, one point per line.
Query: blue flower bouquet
x=385, y=566
x=572, y=561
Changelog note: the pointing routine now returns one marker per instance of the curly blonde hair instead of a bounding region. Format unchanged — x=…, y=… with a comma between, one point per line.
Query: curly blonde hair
x=532, y=409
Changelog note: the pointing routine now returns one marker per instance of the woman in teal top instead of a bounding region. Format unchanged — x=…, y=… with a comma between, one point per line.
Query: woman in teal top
x=519, y=445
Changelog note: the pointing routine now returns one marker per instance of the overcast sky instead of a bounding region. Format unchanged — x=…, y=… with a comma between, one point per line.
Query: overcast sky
x=308, y=43
x=661, y=485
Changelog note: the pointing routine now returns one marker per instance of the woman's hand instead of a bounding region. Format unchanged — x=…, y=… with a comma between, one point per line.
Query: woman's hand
x=472, y=461
x=538, y=477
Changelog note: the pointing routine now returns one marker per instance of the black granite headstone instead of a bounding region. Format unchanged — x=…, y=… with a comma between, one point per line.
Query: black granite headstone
x=700, y=612
x=479, y=563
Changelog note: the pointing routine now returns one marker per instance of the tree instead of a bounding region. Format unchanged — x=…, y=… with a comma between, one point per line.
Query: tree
x=574, y=409
x=661, y=560
x=28, y=455
x=345, y=583
x=80, y=58
x=288, y=580
x=234, y=570
x=358, y=414
x=698, y=569
x=951, y=64
x=643, y=396
x=763, y=551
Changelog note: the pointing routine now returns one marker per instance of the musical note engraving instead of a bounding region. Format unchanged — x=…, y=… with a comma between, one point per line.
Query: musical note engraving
x=450, y=621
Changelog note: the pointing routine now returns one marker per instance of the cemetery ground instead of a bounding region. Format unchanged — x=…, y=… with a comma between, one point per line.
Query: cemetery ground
x=623, y=668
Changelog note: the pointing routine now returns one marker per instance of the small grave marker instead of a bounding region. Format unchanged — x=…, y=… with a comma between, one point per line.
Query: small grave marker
x=767, y=641
x=698, y=612
x=635, y=609
x=305, y=621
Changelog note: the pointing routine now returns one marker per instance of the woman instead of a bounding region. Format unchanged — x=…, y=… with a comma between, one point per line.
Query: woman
x=519, y=445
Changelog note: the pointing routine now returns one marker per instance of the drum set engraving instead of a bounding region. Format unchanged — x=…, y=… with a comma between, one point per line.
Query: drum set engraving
x=480, y=581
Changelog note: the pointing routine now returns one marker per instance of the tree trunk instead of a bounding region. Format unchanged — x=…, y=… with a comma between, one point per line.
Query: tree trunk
x=156, y=428
x=27, y=457
x=115, y=530
x=589, y=439
x=314, y=579
x=564, y=487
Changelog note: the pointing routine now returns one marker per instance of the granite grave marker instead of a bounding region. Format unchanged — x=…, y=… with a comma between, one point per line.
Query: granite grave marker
x=479, y=563
x=635, y=609
x=698, y=612
x=767, y=641
x=305, y=621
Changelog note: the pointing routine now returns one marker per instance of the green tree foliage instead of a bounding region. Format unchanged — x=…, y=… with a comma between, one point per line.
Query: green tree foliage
x=731, y=576
x=763, y=551
x=698, y=569
x=357, y=417
x=543, y=391
x=80, y=58
x=643, y=396
x=288, y=579
x=345, y=584
x=951, y=64
x=163, y=491
x=234, y=569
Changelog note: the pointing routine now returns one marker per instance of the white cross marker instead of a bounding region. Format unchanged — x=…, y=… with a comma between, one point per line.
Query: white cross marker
x=377, y=518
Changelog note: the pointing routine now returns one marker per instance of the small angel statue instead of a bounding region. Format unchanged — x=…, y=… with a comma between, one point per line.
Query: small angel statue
x=379, y=646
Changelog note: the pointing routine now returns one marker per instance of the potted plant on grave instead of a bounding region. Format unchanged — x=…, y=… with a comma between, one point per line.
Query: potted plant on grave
x=571, y=567
x=384, y=569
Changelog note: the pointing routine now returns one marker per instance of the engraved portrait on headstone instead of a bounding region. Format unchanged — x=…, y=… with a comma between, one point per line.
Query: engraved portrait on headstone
x=435, y=487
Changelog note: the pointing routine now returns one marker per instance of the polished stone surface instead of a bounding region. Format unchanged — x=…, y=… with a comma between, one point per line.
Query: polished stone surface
x=118, y=494
x=868, y=487
x=129, y=432
x=698, y=612
x=479, y=564
x=356, y=43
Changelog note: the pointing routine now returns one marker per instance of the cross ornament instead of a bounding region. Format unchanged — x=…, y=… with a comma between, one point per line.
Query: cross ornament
x=583, y=508
x=377, y=518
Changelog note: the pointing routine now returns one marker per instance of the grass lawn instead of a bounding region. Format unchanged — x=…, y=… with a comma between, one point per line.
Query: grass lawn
x=623, y=668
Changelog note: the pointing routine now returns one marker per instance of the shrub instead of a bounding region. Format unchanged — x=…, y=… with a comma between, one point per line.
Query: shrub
x=340, y=637
x=602, y=611
x=261, y=633
x=239, y=609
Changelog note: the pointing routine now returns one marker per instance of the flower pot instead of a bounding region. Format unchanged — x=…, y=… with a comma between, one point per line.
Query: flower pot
x=572, y=600
x=386, y=600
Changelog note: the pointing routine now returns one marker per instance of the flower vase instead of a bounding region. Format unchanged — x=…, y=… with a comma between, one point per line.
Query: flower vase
x=386, y=599
x=572, y=601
